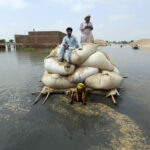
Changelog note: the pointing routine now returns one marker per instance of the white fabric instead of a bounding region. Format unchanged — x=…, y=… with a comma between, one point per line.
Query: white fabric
x=86, y=34
x=116, y=70
x=56, y=81
x=115, y=67
x=105, y=80
x=98, y=60
x=82, y=73
x=89, y=61
x=52, y=65
x=78, y=56
x=71, y=41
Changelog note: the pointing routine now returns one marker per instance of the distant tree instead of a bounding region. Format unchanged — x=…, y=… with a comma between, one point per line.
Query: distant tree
x=114, y=42
x=131, y=41
x=124, y=42
x=11, y=40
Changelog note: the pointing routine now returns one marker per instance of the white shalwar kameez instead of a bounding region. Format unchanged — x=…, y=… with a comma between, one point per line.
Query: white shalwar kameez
x=86, y=34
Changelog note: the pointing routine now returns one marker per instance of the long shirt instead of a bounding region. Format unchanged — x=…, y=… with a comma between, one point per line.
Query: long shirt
x=86, y=34
x=83, y=29
x=71, y=41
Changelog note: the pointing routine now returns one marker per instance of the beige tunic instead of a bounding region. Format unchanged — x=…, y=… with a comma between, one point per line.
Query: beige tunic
x=86, y=34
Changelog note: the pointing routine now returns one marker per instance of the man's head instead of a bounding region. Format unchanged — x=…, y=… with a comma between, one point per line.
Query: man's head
x=87, y=18
x=69, y=31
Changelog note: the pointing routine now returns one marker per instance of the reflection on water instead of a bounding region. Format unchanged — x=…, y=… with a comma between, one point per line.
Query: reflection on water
x=7, y=48
x=57, y=125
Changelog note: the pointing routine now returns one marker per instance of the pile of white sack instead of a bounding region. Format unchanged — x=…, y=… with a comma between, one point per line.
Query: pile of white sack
x=89, y=65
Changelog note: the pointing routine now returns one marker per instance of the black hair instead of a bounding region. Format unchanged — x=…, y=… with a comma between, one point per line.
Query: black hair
x=69, y=29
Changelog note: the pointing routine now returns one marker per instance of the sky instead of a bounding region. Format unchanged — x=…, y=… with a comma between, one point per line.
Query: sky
x=112, y=19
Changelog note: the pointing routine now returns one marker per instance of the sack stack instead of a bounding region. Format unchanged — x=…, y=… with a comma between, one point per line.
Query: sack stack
x=89, y=65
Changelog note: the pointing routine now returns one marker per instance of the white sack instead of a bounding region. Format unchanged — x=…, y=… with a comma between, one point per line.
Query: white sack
x=54, y=52
x=115, y=67
x=116, y=70
x=52, y=65
x=98, y=60
x=56, y=81
x=105, y=80
x=78, y=56
x=82, y=73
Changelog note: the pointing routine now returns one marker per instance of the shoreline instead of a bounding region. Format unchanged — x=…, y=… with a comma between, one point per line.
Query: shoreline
x=145, y=46
x=148, y=48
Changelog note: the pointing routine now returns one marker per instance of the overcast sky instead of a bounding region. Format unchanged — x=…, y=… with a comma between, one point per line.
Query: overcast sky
x=112, y=19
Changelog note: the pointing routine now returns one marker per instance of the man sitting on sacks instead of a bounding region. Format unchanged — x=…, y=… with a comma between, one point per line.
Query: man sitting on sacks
x=68, y=45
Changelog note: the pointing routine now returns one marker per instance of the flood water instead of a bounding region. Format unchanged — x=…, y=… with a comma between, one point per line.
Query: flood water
x=58, y=125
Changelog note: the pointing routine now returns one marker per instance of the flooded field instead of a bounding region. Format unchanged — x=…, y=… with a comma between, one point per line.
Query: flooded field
x=58, y=125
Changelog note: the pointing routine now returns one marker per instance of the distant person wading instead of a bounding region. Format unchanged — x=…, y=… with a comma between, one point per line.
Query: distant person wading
x=86, y=30
x=68, y=45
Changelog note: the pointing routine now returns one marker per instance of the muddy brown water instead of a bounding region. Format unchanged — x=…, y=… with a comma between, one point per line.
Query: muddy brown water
x=56, y=125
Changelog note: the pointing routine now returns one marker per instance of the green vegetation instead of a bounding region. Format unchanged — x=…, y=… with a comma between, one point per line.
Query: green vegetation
x=11, y=40
x=34, y=49
x=28, y=49
x=121, y=42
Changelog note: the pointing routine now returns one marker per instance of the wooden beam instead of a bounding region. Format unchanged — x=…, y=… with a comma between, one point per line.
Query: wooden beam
x=37, y=99
x=45, y=100
x=113, y=99
x=48, y=91
x=34, y=93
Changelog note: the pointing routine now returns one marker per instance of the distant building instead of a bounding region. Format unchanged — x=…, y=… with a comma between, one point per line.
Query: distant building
x=2, y=43
x=40, y=39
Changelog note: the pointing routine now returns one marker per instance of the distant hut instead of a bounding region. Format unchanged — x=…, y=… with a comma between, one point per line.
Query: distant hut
x=40, y=39
x=2, y=43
